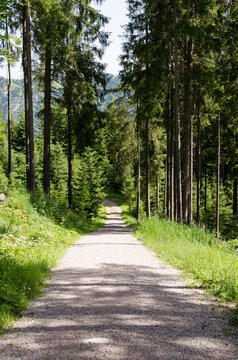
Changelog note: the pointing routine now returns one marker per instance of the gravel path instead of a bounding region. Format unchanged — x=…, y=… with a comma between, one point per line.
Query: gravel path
x=113, y=299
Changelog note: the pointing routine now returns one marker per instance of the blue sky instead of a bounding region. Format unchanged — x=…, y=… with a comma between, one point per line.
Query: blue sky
x=116, y=11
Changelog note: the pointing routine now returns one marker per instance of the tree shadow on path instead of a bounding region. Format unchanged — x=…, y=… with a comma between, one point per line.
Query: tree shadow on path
x=124, y=312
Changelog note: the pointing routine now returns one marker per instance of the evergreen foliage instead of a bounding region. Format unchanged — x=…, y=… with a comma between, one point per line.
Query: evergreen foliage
x=164, y=133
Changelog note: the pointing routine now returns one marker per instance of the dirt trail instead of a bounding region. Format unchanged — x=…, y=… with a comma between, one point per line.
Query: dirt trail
x=113, y=299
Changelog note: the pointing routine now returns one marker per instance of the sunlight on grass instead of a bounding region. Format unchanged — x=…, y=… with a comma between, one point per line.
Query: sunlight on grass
x=34, y=235
x=214, y=265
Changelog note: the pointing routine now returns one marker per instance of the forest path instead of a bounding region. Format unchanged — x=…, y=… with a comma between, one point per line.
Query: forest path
x=113, y=299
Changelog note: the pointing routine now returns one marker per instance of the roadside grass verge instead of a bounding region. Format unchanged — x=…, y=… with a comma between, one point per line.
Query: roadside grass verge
x=196, y=252
x=211, y=264
x=34, y=235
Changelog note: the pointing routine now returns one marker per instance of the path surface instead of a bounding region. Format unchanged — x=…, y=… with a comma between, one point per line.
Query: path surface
x=113, y=299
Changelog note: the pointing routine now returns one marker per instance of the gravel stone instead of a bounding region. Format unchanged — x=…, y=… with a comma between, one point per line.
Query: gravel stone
x=111, y=298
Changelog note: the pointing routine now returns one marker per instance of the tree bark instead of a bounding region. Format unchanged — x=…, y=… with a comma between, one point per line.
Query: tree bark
x=70, y=181
x=188, y=130
x=190, y=215
x=205, y=190
x=9, y=112
x=199, y=164
x=172, y=157
x=138, y=168
x=147, y=131
x=218, y=176
x=148, y=214
x=27, y=68
x=165, y=189
x=168, y=159
x=235, y=210
x=157, y=193
x=47, y=120
x=177, y=119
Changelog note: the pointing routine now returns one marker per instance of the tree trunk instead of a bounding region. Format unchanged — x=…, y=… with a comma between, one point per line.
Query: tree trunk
x=218, y=176
x=172, y=158
x=147, y=170
x=199, y=164
x=177, y=119
x=235, y=212
x=27, y=68
x=147, y=135
x=188, y=130
x=190, y=215
x=70, y=181
x=157, y=193
x=165, y=189
x=205, y=190
x=138, y=168
x=9, y=113
x=26, y=91
x=47, y=120
x=168, y=160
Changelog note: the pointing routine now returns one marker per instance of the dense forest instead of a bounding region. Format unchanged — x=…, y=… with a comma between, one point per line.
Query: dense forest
x=165, y=136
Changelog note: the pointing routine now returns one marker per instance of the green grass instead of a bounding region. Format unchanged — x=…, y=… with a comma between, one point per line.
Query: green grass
x=34, y=234
x=196, y=252
x=211, y=264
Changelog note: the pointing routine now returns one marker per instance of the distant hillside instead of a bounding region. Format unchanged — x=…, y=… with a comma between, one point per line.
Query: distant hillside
x=17, y=98
x=112, y=85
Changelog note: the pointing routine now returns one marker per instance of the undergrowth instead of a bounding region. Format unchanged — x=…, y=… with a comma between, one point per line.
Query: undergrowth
x=34, y=234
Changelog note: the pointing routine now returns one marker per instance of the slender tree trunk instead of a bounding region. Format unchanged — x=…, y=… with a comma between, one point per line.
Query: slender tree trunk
x=190, y=217
x=165, y=189
x=47, y=120
x=205, y=190
x=218, y=176
x=177, y=119
x=147, y=135
x=27, y=67
x=235, y=212
x=9, y=112
x=157, y=193
x=70, y=182
x=175, y=188
x=172, y=157
x=168, y=160
x=199, y=164
x=26, y=91
x=188, y=129
x=138, y=168
x=148, y=214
